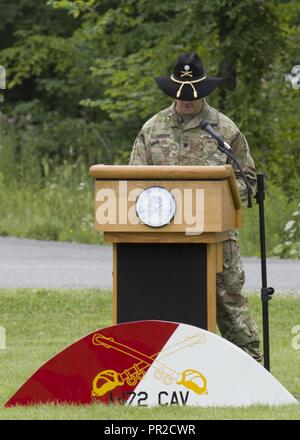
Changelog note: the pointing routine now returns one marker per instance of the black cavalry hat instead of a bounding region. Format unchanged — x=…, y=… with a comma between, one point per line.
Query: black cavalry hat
x=188, y=81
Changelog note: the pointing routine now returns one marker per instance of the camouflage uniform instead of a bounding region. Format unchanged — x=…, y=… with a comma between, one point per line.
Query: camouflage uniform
x=166, y=139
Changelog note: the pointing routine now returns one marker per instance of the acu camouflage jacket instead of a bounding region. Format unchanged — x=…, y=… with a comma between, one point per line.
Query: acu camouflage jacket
x=166, y=140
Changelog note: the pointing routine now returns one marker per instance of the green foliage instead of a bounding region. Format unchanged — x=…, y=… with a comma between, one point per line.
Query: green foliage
x=80, y=78
x=278, y=211
x=247, y=42
x=75, y=7
x=55, y=212
x=290, y=248
x=42, y=199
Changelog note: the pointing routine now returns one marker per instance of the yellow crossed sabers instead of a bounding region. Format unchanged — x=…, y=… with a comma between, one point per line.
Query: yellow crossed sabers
x=110, y=379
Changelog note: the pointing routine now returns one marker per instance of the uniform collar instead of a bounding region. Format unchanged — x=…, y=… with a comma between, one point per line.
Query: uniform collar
x=206, y=114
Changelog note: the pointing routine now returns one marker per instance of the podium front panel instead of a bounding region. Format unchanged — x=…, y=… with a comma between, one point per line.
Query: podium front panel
x=162, y=281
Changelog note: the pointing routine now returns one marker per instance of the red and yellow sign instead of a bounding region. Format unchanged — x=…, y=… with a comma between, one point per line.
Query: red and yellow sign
x=148, y=363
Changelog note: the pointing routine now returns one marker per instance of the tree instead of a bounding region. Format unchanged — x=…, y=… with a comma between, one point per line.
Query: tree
x=96, y=61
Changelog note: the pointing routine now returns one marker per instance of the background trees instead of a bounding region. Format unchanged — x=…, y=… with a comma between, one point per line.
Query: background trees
x=80, y=78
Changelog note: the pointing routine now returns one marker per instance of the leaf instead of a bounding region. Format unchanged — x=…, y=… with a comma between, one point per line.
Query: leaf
x=289, y=225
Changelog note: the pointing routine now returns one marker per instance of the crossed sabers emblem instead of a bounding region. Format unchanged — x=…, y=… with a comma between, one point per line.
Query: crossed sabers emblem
x=107, y=380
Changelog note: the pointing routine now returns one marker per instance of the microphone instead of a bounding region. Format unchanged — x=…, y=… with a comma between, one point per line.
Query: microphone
x=207, y=127
x=226, y=148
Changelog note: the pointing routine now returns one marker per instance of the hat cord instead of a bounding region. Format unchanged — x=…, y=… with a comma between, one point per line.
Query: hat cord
x=188, y=83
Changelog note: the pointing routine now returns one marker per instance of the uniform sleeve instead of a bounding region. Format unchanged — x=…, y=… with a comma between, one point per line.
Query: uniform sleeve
x=140, y=154
x=241, y=150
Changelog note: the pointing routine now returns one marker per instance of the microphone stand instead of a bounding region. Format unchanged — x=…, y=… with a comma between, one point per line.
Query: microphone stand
x=225, y=148
x=227, y=151
x=266, y=292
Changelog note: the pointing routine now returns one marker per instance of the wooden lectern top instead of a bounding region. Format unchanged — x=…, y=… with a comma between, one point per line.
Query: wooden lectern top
x=173, y=172
x=170, y=172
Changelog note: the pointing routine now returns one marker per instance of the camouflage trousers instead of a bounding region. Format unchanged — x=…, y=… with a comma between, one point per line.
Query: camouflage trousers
x=233, y=311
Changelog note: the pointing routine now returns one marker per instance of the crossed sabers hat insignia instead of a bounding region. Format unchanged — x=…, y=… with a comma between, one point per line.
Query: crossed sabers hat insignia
x=186, y=71
x=110, y=379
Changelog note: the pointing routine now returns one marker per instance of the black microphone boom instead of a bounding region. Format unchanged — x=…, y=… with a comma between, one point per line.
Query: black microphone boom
x=225, y=148
x=207, y=127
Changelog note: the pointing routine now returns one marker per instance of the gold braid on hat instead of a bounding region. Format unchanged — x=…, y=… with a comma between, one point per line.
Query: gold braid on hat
x=190, y=83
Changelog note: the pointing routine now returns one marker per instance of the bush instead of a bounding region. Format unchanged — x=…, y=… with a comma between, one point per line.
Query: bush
x=278, y=210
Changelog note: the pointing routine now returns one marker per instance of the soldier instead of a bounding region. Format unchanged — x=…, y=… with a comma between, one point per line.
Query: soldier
x=173, y=137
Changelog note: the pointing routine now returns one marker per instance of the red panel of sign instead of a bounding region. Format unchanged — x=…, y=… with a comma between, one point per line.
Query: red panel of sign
x=104, y=366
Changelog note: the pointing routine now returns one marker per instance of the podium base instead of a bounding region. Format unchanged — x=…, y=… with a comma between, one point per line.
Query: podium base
x=162, y=281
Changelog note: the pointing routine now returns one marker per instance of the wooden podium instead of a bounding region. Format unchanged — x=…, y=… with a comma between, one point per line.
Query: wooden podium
x=167, y=272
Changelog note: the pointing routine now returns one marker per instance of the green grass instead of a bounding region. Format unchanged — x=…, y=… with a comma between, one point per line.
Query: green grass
x=41, y=322
x=56, y=212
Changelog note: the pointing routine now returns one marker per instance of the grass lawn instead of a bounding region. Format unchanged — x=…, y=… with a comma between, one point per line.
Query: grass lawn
x=41, y=322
